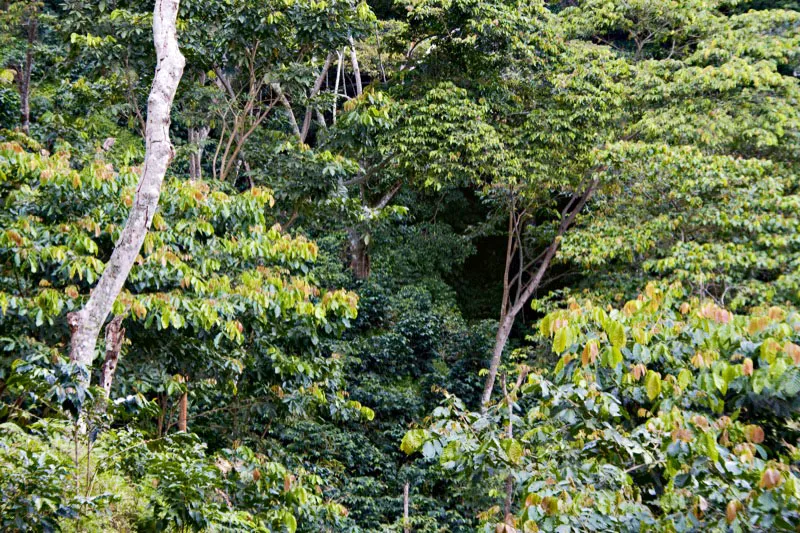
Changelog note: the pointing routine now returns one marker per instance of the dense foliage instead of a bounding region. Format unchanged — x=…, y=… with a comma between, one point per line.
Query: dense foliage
x=670, y=413
x=393, y=279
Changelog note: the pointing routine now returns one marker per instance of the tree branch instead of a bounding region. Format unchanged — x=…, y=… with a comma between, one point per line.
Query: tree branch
x=314, y=91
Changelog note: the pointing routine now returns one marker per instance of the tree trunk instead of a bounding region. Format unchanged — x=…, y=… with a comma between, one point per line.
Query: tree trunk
x=503, y=332
x=276, y=88
x=313, y=93
x=406, y=525
x=509, y=310
x=356, y=70
x=183, y=408
x=509, y=494
x=339, y=69
x=85, y=324
x=24, y=77
x=197, y=138
x=162, y=413
x=510, y=435
x=115, y=334
x=359, y=256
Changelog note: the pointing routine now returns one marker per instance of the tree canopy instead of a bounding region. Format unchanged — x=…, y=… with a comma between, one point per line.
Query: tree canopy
x=412, y=265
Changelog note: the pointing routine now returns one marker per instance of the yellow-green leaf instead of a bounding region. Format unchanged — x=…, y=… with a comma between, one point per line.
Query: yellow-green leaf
x=616, y=333
x=652, y=383
x=412, y=441
x=513, y=449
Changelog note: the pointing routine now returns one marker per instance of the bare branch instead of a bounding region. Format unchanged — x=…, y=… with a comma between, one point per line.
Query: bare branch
x=314, y=91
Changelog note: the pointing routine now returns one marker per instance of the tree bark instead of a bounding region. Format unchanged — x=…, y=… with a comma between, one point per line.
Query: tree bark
x=162, y=413
x=500, y=340
x=115, y=334
x=276, y=87
x=85, y=324
x=314, y=92
x=339, y=69
x=359, y=256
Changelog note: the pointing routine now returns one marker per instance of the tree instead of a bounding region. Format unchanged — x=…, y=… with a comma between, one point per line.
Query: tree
x=86, y=323
x=585, y=111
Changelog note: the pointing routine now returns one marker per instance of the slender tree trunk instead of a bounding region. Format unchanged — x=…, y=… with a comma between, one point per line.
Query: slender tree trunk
x=24, y=76
x=85, y=324
x=500, y=340
x=162, y=413
x=276, y=87
x=183, y=408
x=115, y=334
x=510, y=435
x=380, y=56
x=339, y=69
x=356, y=70
x=314, y=92
x=197, y=138
x=406, y=525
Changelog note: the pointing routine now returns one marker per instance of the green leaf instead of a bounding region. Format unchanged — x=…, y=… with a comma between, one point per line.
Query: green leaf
x=412, y=441
x=710, y=442
x=616, y=333
x=759, y=381
x=544, y=325
x=684, y=378
x=513, y=450
x=6, y=76
x=769, y=349
x=561, y=340
x=719, y=379
x=613, y=357
x=289, y=522
x=652, y=383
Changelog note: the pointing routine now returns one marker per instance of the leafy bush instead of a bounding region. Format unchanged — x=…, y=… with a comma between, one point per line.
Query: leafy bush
x=670, y=414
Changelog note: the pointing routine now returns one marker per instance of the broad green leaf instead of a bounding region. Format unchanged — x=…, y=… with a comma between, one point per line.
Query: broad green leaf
x=561, y=340
x=652, y=382
x=616, y=333
x=684, y=378
x=513, y=449
x=769, y=349
x=413, y=440
x=289, y=522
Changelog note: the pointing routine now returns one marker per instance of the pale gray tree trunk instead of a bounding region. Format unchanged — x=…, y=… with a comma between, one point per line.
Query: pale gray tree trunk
x=23, y=76
x=85, y=324
x=276, y=88
x=356, y=69
x=339, y=69
x=406, y=524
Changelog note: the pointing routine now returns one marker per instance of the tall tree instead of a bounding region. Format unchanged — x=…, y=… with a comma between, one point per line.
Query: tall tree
x=85, y=324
